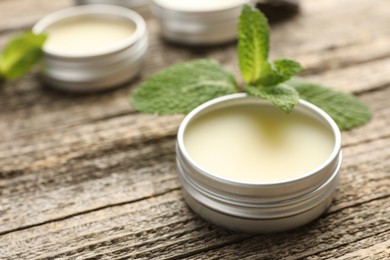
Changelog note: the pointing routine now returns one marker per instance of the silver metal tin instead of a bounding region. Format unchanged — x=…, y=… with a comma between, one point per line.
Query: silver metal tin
x=98, y=70
x=140, y=6
x=198, y=27
x=258, y=207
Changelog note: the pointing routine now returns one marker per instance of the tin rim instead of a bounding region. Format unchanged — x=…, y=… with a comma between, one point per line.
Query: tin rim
x=200, y=11
x=93, y=10
x=130, y=4
x=332, y=157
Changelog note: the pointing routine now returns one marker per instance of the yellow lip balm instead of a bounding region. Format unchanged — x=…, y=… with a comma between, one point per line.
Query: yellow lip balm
x=87, y=34
x=257, y=144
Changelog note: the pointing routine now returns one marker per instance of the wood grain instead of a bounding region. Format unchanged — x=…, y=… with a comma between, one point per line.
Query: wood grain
x=85, y=176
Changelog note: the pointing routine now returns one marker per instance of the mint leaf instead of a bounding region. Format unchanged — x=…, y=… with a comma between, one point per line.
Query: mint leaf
x=346, y=110
x=253, y=47
x=282, y=95
x=286, y=68
x=282, y=70
x=21, y=54
x=253, y=42
x=182, y=87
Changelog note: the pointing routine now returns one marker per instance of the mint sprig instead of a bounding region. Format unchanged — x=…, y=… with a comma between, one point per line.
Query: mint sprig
x=184, y=86
x=20, y=54
x=264, y=79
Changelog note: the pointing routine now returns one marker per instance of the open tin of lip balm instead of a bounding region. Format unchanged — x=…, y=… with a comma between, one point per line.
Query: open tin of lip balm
x=201, y=22
x=92, y=47
x=247, y=166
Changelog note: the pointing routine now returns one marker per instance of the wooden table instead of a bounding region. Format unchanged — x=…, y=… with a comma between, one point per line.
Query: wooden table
x=85, y=176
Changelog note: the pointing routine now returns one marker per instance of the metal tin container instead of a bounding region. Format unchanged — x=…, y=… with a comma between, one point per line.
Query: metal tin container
x=198, y=27
x=140, y=6
x=97, y=70
x=258, y=207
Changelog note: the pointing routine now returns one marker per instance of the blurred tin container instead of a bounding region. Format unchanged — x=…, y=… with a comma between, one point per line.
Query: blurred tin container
x=258, y=207
x=97, y=70
x=198, y=26
x=140, y=6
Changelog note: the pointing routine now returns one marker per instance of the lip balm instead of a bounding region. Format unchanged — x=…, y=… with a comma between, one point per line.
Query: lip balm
x=202, y=22
x=247, y=166
x=252, y=143
x=85, y=35
x=92, y=47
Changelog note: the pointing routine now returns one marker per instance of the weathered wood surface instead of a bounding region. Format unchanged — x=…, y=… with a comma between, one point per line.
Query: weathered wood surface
x=88, y=177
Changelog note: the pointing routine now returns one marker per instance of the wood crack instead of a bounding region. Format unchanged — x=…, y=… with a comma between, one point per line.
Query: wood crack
x=330, y=212
x=320, y=69
x=212, y=247
x=85, y=212
x=79, y=123
x=342, y=244
x=366, y=141
x=372, y=89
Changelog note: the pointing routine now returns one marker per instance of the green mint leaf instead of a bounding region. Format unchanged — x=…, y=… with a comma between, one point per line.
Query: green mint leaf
x=346, y=110
x=282, y=95
x=286, y=68
x=253, y=47
x=282, y=70
x=182, y=87
x=253, y=42
x=21, y=54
